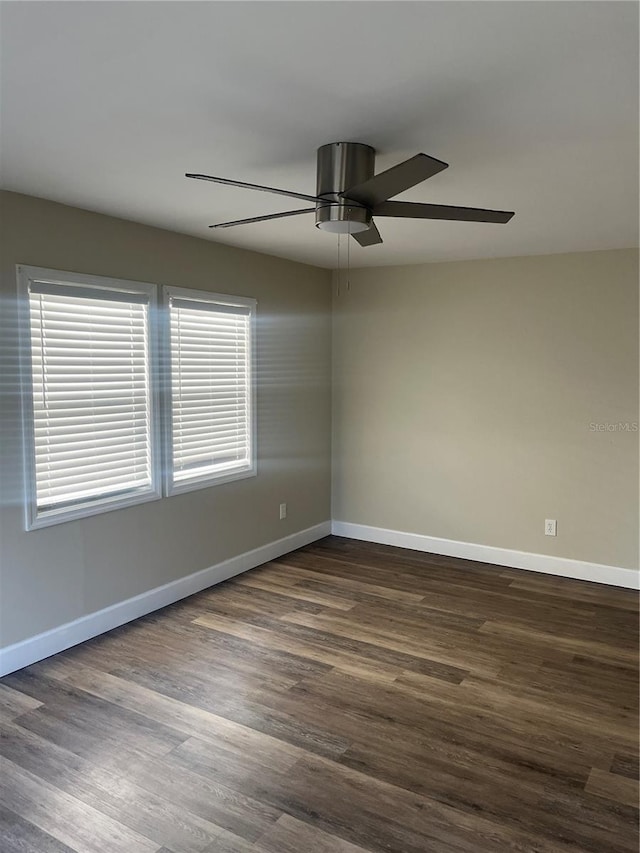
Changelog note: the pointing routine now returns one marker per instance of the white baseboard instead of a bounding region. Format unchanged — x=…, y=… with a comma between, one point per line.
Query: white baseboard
x=561, y=566
x=57, y=639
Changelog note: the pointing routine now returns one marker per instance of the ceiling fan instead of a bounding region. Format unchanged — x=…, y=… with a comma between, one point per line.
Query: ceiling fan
x=349, y=194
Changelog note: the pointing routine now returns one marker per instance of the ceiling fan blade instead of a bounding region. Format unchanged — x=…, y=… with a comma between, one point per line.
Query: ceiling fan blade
x=263, y=218
x=395, y=180
x=369, y=237
x=252, y=186
x=409, y=210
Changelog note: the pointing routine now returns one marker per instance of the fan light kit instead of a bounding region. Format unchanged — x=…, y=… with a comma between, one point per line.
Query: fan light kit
x=349, y=193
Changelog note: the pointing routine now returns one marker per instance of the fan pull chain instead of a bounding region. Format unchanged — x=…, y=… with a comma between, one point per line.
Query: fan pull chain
x=348, y=254
x=338, y=272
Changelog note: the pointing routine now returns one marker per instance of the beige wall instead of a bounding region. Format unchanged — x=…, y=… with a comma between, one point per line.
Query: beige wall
x=54, y=575
x=464, y=394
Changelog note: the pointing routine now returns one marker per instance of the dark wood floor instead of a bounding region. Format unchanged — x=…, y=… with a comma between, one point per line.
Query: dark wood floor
x=346, y=698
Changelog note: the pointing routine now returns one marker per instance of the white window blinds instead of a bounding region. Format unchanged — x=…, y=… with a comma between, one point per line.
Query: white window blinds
x=91, y=395
x=98, y=356
x=211, y=388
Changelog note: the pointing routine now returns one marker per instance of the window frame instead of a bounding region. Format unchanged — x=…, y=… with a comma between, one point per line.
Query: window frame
x=208, y=480
x=34, y=518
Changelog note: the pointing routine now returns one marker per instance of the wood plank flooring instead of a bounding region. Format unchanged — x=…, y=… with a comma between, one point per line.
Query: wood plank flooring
x=347, y=698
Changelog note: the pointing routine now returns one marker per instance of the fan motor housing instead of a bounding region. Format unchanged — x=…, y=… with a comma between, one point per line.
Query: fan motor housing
x=342, y=165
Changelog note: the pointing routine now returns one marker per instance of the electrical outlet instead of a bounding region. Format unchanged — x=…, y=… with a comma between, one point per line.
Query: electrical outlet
x=550, y=527
x=283, y=511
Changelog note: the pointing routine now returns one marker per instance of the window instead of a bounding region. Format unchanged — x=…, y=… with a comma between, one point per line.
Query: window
x=89, y=405
x=93, y=354
x=210, y=401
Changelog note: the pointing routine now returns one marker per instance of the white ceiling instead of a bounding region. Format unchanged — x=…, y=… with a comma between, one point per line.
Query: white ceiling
x=533, y=104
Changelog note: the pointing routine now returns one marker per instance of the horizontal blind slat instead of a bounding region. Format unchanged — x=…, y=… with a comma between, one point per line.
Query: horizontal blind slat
x=200, y=423
x=63, y=491
x=208, y=449
x=53, y=444
x=58, y=291
x=202, y=467
x=118, y=463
